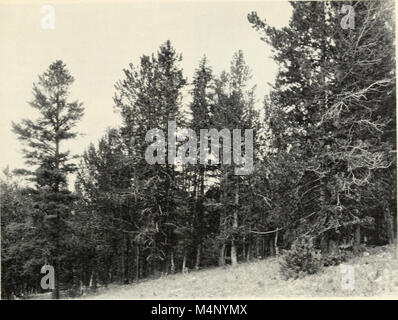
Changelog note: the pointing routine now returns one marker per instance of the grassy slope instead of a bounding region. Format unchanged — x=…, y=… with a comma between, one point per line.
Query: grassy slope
x=376, y=274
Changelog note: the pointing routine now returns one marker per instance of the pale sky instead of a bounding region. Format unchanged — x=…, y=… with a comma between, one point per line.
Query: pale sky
x=98, y=40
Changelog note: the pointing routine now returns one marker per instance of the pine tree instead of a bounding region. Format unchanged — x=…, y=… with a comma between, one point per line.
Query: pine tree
x=329, y=114
x=43, y=137
x=202, y=107
x=148, y=98
x=233, y=109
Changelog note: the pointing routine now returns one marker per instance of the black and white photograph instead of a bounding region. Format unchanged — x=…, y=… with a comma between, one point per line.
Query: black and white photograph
x=198, y=150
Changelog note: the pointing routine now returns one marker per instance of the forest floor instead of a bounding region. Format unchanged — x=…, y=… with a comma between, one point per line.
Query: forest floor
x=375, y=274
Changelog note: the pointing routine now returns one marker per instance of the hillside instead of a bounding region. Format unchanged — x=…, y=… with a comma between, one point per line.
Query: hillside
x=376, y=274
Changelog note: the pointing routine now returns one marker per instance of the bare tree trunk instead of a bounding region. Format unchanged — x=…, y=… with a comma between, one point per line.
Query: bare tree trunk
x=126, y=266
x=257, y=247
x=121, y=266
x=144, y=265
x=248, y=252
x=244, y=248
x=357, y=239
x=184, y=263
x=264, y=247
x=389, y=225
x=234, y=256
x=276, y=244
x=378, y=224
x=55, y=294
x=172, y=264
x=137, y=261
x=223, y=214
x=200, y=213
x=221, y=258
x=93, y=281
x=271, y=245
x=234, y=259
x=58, y=219
x=198, y=253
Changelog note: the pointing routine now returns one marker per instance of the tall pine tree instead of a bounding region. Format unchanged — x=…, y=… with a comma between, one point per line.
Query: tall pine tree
x=43, y=137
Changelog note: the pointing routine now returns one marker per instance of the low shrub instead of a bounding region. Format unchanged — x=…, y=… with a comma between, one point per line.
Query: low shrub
x=301, y=259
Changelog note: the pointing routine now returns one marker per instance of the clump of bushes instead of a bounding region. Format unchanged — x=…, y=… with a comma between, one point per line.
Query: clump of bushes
x=301, y=259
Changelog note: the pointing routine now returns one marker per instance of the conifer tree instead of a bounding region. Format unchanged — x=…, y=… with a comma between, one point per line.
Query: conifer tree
x=148, y=98
x=202, y=108
x=329, y=112
x=58, y=116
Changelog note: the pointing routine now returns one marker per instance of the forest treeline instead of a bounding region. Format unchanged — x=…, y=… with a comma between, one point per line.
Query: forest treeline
x=324, y=161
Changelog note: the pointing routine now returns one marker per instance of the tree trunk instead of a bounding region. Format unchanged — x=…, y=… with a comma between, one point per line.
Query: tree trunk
x=137, y=270
x=126, y=265
x=184, y=262
x=234, y=259
x=200, y=213
x=93, y=281
x=357, y=239
x=234, y=256
x=244, y=248
x=271, y=245
x=276, y=244
x=172, y=264
x=198, y=253
x=223, y=215
x=144, y=265
x=248, y=254
x=389, y=225
x=58, y=219
x=55, y=294
x=378, y=226
x=257, y=247
x=221, y=258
